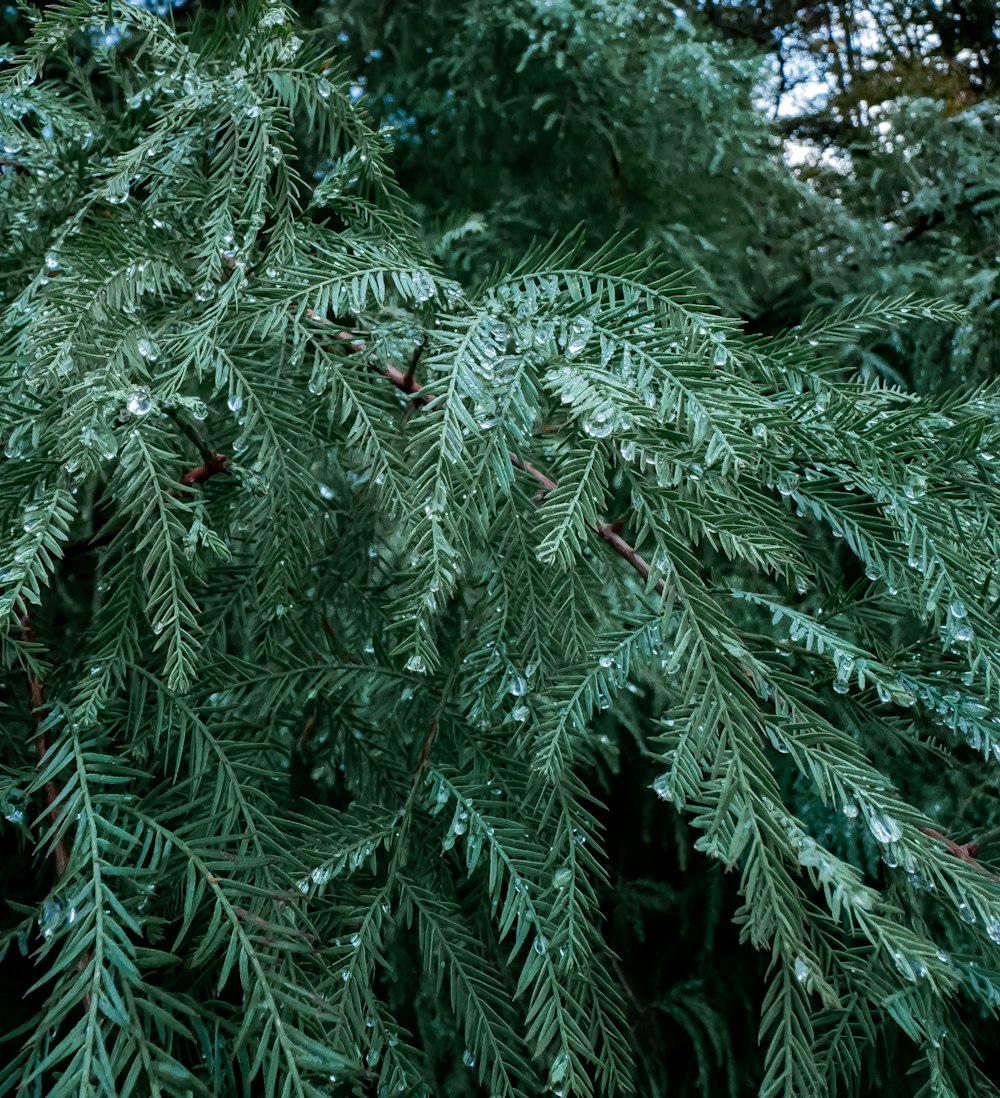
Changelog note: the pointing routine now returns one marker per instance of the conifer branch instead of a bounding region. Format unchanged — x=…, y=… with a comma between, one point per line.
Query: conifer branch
x=963, y=851
x=608, y=532
x=231, y=917
x=213, y=464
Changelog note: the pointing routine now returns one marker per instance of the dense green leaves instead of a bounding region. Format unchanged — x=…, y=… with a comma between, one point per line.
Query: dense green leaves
x=373, y=639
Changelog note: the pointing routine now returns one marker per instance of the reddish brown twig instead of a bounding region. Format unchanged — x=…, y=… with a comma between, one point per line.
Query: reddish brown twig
x=310, y=724
x=353, y=347
x=547, y=484
x=425, y=751
x=50, y=791
x=212, y=465
x=405, y=383
x=609, y=532
x=965, y=852
x=411, y=372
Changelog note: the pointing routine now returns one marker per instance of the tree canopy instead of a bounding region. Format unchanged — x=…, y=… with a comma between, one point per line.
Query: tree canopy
x=500, y=554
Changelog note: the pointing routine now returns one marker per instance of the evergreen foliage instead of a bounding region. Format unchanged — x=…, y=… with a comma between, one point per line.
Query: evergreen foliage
x=358, y=554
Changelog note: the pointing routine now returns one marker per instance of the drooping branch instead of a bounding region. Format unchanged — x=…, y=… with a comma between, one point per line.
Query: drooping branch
x=608, y=532
x=213, y=464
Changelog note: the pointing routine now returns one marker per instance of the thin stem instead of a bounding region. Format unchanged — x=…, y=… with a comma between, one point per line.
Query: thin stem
x=213, y=464
x=608, y=532
x=411, y=372
x=965, y=852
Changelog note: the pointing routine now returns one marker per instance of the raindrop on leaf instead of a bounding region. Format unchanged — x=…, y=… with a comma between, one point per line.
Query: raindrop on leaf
x=139, y=403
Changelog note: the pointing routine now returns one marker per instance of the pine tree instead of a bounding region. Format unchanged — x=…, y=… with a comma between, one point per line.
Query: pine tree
x=340, y=595
x=890, y=110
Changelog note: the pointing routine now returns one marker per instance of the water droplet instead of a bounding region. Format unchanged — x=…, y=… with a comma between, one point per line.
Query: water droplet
x=469, y=1058
x=355, y=940
x=540, y=945
x=51, y=916
x=916, y=485
x=252, y=110
x=579, y=333
x=326, y=491
x=275, y=17
x=760, y=432
x=416, y=664
x=957, y=608
x=423, y=286
x=117, y=194
x=801, y=969
x=16, y=448
x=884, y=828
x=850, y=810
x=139, y=403
x=606, y=661
x=562, y=877
x=148, y=350
x=52, y=262
x=235, y=402
x=600, y=425
x=324, y=88
x=788, y=482
x=14, y=812
x=966, y=914
x=320, y=876
x=661, y=787
x=518, y=686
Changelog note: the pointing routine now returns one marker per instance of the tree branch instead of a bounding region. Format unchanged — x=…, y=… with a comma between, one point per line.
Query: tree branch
x=608, y=532
x=213, y=464
x=965, y=852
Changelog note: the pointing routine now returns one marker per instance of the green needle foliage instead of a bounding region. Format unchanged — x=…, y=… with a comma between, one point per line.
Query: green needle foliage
x=340, y=598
